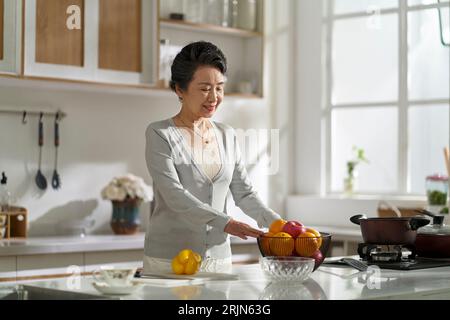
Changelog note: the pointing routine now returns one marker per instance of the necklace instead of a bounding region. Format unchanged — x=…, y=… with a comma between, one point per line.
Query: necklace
x=204, y=140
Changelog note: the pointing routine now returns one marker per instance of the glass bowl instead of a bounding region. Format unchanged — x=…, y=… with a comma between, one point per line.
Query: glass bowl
x=307, y=247
x=292, y=269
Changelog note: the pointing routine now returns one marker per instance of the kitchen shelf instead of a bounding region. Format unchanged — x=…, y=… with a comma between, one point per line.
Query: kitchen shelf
x=208, y=28
x=227, y=94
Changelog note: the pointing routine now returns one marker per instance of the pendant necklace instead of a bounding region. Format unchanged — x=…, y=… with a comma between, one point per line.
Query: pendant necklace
x=204, y=140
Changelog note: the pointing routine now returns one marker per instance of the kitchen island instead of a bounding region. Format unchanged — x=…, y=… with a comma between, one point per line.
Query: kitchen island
x=329, y=282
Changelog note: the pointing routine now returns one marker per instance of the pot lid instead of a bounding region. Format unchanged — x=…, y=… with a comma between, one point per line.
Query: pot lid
x=435, y=229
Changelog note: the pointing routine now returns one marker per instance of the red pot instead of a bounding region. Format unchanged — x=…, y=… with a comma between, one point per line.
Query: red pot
x=389, y=231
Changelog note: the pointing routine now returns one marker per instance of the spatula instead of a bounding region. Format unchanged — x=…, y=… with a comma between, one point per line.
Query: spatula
x=56, y=180
x=41, y=181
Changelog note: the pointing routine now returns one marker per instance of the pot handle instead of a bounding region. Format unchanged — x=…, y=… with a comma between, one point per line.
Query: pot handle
x=355, y=219
x=438, y=219
x=417, y=223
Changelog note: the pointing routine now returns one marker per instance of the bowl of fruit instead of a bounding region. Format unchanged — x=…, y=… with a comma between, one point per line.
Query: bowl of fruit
x=293, y=239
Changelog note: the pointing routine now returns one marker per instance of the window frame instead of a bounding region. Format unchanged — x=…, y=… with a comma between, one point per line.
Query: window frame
x=403, y=103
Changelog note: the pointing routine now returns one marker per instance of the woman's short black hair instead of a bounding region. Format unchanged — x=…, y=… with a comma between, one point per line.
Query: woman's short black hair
x=191, y=57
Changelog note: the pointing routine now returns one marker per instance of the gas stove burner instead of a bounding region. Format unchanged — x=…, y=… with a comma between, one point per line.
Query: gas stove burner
x=385, y=256
x=386, y=253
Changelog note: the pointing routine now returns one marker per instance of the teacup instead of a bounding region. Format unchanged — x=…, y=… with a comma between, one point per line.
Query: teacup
x=115, y=277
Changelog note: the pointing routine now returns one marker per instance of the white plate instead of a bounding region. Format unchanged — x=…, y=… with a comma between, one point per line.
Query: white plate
x=105, y=288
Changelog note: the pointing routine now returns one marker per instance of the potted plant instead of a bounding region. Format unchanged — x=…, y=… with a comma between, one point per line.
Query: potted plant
x=126, y=194
x=349, y=181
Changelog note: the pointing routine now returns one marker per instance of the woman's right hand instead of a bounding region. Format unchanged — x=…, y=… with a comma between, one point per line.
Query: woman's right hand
x=241, y=230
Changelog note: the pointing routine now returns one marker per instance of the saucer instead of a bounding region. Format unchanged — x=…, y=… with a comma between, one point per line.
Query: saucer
x=105, y=288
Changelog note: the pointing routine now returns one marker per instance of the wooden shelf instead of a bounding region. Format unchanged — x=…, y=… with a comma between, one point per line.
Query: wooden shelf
x=209, y=28
x=236, y=95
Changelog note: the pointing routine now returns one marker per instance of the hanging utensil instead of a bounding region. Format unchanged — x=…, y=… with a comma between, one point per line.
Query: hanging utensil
x=41, y=181
x=56, y=180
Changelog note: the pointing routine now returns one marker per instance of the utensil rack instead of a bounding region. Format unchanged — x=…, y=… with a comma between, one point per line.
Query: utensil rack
x=26, y=113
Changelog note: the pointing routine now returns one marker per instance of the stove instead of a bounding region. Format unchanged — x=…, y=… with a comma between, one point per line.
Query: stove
x=386, y=253
x=394, y=257
x=397, y=257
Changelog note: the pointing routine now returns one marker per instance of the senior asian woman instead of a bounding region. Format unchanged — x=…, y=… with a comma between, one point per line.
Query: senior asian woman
x=194, y=162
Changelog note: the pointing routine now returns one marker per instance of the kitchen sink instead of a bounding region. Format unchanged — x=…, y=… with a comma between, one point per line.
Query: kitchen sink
x=24, y=292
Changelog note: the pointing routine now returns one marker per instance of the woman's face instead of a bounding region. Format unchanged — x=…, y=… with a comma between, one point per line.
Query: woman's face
x=204, y=93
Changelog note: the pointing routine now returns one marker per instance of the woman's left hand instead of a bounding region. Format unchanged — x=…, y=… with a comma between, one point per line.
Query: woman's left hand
x=241, y=230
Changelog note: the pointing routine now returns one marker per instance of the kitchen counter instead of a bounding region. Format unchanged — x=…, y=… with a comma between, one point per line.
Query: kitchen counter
x=70, y=244
x=328, y=282
x=89, y=243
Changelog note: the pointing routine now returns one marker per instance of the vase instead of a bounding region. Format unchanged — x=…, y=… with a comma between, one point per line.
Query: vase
x=350, y=183
x=125, y=218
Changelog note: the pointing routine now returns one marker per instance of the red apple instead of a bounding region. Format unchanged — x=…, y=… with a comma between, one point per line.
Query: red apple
x=318, y=256
x=294, y=228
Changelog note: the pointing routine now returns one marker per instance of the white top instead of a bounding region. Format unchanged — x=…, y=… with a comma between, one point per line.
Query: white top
x=206, y=155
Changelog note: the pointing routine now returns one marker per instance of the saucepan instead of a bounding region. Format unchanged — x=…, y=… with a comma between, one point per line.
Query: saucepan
x=433, y=241
x=387, y=231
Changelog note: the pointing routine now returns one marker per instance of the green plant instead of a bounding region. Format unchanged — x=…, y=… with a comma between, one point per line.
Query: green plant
x=359, y=157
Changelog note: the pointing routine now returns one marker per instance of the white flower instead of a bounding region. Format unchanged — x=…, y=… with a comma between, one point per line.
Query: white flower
x=128, y=186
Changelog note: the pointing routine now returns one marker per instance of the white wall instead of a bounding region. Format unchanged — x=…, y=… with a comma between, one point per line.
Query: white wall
x=101, y=137
x=309, y=175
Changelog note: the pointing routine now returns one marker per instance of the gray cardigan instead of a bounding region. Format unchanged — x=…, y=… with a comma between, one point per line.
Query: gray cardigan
x=189, y=208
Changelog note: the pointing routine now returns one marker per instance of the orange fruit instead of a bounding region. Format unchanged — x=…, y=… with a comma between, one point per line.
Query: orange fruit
x=306, y=244
x=265, y=243
x=277, y=225
x=282, y=244
x=317, y=234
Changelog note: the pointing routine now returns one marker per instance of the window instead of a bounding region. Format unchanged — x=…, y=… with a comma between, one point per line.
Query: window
x=387, y=92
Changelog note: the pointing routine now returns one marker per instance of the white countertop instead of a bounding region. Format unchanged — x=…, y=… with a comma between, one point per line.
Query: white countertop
x=89, y=243
x=333, y=283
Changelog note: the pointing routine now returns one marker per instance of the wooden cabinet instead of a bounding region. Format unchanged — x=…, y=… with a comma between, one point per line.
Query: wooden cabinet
x=1, y=27
x=108, y=41
x=55, y=42
x=10, y=36
x=244, y=49
x=120, y=35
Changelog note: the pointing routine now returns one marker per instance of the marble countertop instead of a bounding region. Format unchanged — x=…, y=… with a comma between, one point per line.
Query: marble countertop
x=89, y=243
x=328, y=282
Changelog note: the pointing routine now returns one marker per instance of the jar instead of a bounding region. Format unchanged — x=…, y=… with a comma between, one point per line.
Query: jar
x=165, y=63
x=193, y=10
x=247, y=14
x=212, y=13
x=437, y=190
x=168, y=7
x=234, y=13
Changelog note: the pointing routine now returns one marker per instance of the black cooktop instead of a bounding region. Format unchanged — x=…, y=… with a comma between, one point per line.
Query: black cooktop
x=416, y=264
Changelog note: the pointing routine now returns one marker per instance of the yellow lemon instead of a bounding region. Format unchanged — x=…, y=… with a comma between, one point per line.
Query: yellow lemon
x=177, y=267
x=197, y=257
x=191, y=266
x=183, y=255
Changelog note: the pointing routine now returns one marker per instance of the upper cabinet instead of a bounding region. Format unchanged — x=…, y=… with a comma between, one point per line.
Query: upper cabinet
x=109, y=41
x=129, y=42
x=10, y=36
x=235, y=26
